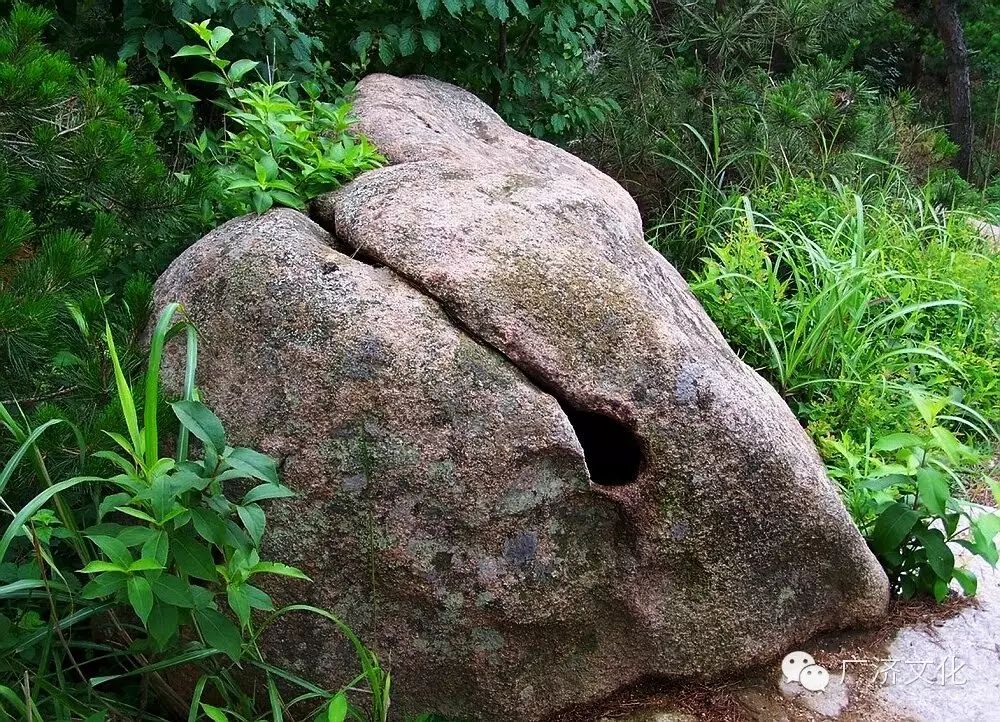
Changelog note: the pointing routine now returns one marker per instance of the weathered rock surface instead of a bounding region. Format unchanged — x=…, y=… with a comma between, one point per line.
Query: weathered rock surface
x=531, y=470
x=942, y=668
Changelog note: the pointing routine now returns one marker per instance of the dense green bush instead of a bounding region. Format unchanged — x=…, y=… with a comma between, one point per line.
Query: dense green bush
x=905, y=491
x=527, y=58
x=843, y=303
x=745, y=92
x=285, y=151
x=89, y=214
x=164, y=558
x=276, y=30
x=879, y=321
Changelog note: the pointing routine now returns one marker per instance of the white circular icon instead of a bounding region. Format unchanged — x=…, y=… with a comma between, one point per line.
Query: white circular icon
x=793, y=664
x=814, y=678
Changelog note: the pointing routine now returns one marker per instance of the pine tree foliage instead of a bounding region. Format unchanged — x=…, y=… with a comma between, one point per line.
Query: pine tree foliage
x=741, y=92
x=89, y=212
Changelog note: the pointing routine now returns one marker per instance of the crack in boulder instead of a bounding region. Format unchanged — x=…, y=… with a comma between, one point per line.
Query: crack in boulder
x=614, y=454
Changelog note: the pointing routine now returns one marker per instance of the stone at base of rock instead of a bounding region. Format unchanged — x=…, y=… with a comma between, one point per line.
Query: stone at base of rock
x=963, y=652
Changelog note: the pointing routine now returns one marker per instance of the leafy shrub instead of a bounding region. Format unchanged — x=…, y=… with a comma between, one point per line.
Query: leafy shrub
x=849, y=306
x=899, y=490
x=744, y=92
x=526, y=58
x=89, y=213
x=843, y=304
x=277, y=30
x=285, y=151
x=171, y=559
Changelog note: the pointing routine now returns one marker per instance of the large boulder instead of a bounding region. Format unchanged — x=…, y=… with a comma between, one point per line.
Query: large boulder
x=530, y=469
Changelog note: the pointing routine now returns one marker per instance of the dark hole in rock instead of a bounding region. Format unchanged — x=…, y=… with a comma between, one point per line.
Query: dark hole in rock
x=613, y=453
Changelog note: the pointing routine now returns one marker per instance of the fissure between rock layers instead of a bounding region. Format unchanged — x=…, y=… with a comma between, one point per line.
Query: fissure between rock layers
x=614, y=454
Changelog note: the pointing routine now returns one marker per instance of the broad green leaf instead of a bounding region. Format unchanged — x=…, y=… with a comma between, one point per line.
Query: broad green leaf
x=209, y=526
x=163, y=623
x=988, y=525
x=407, y=42
x=157, y=547
x=967, y=579
x=254, y=464
x=253, y=520
x=236, y=537
x=892, y=527
x=385, y=52
x=878, y=483
x=337, y=710
x=262, y=201
x=206, y=76
x=258, y=598
x=220, y=36
x=189, y=50
x=193, y=558
x=220, y=632
x=132, y=536
x=113, y=549
x=200, y=29
x=892, y=442
x=241, y=68
x=983, y=536
x=172, y=591
x=946, y=441
x=940, y=588
x=522, y=7
x=201, y=422
x=498, y=9
x=267, y=491
x=939, y=556
x=431, y=38
x=278, y=568
x=933, y=490
x=427, y=8
x=103, y=585
x=100, y=565
x=239, y=602
x=111, y=502
x=928, y=406
x=145, y=565
x=362, y=42
x=140, y=596
x=138, y=514
x=287, y=199
x=214, y=713
x=202, y=597
x=160, y=495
